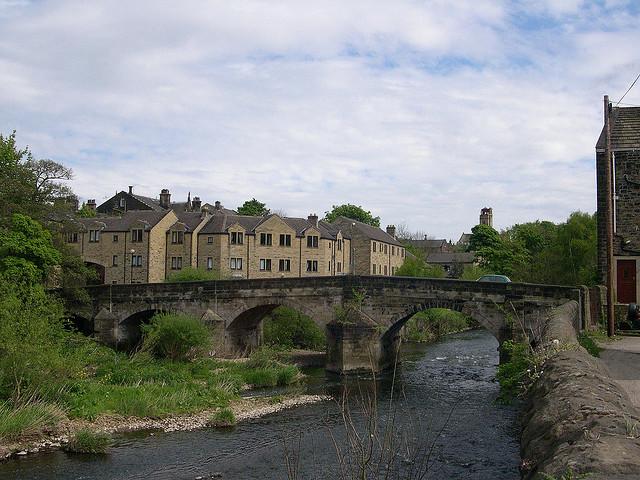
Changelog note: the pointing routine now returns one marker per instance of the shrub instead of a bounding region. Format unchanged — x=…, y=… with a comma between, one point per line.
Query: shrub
x=27, y=419
x=89, y=441
x=222, y=418
x=287, y=328
x=586, y=340
x=516, y=375
x=190, y=274
x=175, y=336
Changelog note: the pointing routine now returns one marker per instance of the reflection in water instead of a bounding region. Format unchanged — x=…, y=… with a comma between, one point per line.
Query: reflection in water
x=443, y=404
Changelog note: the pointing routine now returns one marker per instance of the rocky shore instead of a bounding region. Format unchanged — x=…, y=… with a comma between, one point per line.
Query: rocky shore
x=243, y=409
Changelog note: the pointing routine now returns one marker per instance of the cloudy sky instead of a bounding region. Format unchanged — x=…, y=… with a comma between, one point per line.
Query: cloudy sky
x=420, y=111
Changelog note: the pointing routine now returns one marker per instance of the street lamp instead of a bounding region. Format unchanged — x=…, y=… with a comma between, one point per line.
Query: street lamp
x=132, y=251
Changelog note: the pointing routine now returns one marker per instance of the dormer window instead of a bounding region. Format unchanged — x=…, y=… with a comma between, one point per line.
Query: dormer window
x=177, y=237
x=123, y=202
x=94, y=236
x=312, y=241
x=136, y=235
x=72, y=237
x=237, y=238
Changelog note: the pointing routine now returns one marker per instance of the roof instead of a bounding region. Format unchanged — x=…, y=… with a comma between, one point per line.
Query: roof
x=152, y=203
x=125, y=222
x=369, y=231
x=625, y=129
x=190, y=219
x=464, y=238
x=451, y=257
x=427, y=243
x=221, y=221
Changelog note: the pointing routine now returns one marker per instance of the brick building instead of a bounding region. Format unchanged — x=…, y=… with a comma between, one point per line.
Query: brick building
x=625, y=162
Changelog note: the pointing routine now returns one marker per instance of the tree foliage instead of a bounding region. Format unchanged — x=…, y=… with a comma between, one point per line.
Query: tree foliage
x=190, y=274
x=415, y=266
x=253, y=208
x=175, y=336
x=353, y=212
x=285, y=327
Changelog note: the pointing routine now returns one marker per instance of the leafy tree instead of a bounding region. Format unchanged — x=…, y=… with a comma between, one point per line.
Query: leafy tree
x=27, y=253
x=15, y=176
x=353, y=212
x=254, y=208
x=285, y=327
x=175, y=336
x=494, y=253
x=86, y=212
x=415, y=266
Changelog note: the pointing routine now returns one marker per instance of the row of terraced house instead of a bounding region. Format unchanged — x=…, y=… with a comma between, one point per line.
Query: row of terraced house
x=138, y=239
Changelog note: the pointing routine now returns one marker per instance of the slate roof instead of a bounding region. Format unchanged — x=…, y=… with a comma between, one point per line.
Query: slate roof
x=625, y=129
x=190, y=219
x=451, y=257
x=125, y=222
x=152, y=203
x=428, y=244
x=373, y=233
x=465, y=238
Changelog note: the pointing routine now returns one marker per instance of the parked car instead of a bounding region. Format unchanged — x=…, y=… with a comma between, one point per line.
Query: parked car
x=494, y=278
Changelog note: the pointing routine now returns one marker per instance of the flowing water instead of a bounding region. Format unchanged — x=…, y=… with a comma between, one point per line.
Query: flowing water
x=442, y=414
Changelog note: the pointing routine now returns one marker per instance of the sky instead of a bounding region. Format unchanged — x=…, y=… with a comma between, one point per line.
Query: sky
x=422, y=112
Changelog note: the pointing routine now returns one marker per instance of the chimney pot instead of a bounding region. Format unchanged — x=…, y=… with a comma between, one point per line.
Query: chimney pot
x=91, y=204
x=218, y=205
x=391, y=230
x=313, y=219
x=165, y=198
x=130, y=189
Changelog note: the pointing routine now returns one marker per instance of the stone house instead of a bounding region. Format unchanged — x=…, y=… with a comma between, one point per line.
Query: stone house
x=240, y=246
x=625, y=162
x=430, y=245
x=375, y=252
x=453, y=263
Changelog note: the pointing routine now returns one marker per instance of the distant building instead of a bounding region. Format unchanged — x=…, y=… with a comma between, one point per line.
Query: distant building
x=453, y=263
x=625, y=161
x=429, y=246
x=486, y=218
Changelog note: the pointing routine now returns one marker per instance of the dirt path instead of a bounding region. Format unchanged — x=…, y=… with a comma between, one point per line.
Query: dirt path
x=622, y=358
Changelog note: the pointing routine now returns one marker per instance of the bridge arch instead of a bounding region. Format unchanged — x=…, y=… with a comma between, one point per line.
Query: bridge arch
x=100, y=272
x=129, y=333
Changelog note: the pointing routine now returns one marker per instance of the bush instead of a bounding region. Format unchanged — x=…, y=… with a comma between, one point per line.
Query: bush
x=190, y=274
x=222, y=418
x=27, y=419
x=516, y=375
x=89, y=441
x=175, y=336
x=287, y=328
x=586, y=341
x=428, y=325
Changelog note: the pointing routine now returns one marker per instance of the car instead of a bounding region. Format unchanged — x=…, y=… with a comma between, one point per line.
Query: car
x=494, y=278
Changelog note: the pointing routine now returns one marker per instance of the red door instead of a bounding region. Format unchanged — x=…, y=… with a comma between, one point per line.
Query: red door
x=626, y=285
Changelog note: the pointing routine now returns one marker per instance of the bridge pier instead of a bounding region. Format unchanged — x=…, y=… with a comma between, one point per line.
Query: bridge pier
x=353, y=347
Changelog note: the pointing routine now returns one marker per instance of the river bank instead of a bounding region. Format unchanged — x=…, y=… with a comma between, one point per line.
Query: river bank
x=242, y=408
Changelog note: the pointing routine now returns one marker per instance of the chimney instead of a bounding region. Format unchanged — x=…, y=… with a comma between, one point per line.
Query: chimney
x=204, y=212
x=425, y=237
x=91, y=204
x=196, y=204
x=391, y=230
x=165, y=198
x=313, y=219
x=130, y=189
x=218, y=205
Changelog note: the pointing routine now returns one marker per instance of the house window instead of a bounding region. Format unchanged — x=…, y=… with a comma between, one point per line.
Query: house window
x=284, y=265
x=266, y=239
x=235, y=263
x=71, y=237
x=209, y=263
x=209, y=239
x=94, y=235
x=339, y=267
x=123, y=202
x=136, y=235
x=385, y=269
x=339, y=245
x=136, y=260
x=374, y=246
x=285, y=240
x=237, y=238
x=176, y=263
x=115, y=239
x=114, y=261
x=393, y=250
x=265, y=264
x=385, y=248
x=393, y=270
x=312, y=241
x=329, y=266
x=177, y=237
x=373, y=269
x=312, y=265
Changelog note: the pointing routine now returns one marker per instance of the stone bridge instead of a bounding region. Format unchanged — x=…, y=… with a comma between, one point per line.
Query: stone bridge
x=234, y=309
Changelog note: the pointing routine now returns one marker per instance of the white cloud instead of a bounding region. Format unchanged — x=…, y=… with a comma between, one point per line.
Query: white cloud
x=422, y=113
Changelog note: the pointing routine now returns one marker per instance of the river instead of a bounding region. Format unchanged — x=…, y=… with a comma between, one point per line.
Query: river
x=442, y=410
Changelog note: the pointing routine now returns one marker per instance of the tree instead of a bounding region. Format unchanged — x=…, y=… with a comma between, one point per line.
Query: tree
x=353, y=212
x=415, y=266
x=253, y=208
x=86, y=212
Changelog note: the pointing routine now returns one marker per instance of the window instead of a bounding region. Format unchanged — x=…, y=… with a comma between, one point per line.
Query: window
x=393, y=250
x=285, y=240
x=209, y=263
x=71, y=237
x=374, y=246
x=237, y=238
x=115, y=239
x=385, y=269
x=329, y=266
x=136, y=260
x=136, y=235
x=402, y=252
x=265, y=264
x=339, y=267
x=209, y=239
x=373, y=269
x=312, y=265
x=177, y=237
x=393, y=270
x=339, y=245
x=114, y=261
x=265, y=239
x=284, y=265
x=94, y=235
x=235, y=263
x=123, y=202
x=312, y=241
x=385, y=248
x=176, y=263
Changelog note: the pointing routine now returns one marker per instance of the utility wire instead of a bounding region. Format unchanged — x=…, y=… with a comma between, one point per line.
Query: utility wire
x=628, y=89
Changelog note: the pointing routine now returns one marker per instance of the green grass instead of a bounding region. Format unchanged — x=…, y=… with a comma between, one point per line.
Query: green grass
x=586, y=339
x=89, y=441
x=222, y=418
x=28, y=419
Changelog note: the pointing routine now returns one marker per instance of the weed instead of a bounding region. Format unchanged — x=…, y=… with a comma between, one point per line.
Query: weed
x=222, y=418
x=89, y=441
x=27, y=419
x=586, y=339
